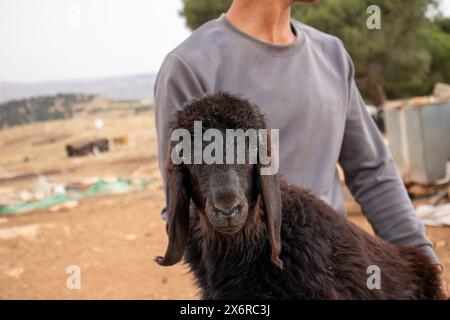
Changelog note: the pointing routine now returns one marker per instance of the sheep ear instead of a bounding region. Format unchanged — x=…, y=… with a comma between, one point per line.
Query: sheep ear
x=270, y=188
x=178, y=200
x=271, y=193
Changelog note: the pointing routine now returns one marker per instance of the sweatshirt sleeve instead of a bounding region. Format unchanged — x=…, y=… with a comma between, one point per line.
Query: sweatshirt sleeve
x=374, y=180
x=176, y=85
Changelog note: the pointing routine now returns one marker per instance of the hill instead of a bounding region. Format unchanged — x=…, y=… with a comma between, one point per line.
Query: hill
x=135, y=87
x=37, y=109
x=63, y=106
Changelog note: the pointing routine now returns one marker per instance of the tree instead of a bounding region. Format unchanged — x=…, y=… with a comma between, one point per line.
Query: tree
x=438, y=44
x=197, y=12
x=397, y=59
x=393, y=59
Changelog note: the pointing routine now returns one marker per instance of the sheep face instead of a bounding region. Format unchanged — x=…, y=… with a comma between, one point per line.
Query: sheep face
x=223, y=193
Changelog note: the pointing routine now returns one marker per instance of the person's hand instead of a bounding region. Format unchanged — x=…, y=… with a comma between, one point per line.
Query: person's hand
x=444, y=286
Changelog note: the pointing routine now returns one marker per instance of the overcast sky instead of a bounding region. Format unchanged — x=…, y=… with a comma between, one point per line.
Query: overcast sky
x=71, y=39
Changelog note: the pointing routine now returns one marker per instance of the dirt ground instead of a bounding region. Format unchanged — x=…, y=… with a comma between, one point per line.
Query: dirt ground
x=113, y=238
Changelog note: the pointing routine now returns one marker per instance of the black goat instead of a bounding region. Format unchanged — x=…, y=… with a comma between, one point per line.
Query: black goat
x=250, y=236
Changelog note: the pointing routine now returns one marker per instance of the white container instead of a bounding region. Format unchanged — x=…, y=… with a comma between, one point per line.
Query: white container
x=419, y=140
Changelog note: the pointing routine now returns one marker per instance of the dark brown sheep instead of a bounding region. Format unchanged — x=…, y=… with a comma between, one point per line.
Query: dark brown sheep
x=250, y=236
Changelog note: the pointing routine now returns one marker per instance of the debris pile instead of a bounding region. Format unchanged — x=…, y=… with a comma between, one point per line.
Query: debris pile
x=56, y=196
x=435, y=216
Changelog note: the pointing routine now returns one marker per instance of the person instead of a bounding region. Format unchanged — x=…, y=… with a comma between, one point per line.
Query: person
x=303, y=81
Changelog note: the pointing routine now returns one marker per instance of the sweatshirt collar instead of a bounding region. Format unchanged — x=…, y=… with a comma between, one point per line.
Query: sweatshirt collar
x=270, y=48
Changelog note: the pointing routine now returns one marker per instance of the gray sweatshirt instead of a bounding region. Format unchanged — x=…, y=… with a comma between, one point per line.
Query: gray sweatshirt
x=306, y=90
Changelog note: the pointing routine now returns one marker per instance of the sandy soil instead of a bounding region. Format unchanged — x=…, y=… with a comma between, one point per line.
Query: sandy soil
x=113, y=239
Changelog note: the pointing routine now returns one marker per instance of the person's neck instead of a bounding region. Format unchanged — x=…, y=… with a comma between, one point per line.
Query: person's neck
x=265, y=20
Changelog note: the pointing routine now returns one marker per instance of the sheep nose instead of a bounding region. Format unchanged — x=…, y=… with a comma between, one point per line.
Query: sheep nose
x=227, y=209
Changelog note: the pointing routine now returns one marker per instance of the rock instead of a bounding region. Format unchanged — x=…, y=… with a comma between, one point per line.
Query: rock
x=14, y=272
x=130, y=237
x=64, y=206
x=29, y=231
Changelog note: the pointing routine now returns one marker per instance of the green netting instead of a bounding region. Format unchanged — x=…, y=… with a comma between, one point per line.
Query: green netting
x=103, y=187
x=32, y=205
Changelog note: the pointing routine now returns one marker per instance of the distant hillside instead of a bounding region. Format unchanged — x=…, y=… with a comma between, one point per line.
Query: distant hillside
x=45, y=108
x=64, y=106
x=136, y=87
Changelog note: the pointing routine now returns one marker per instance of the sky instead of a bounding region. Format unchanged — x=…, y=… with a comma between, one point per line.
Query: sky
x=45, y=40
x=70, y=39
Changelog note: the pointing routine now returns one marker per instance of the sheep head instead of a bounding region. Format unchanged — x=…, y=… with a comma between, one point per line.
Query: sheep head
x=219, y=176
